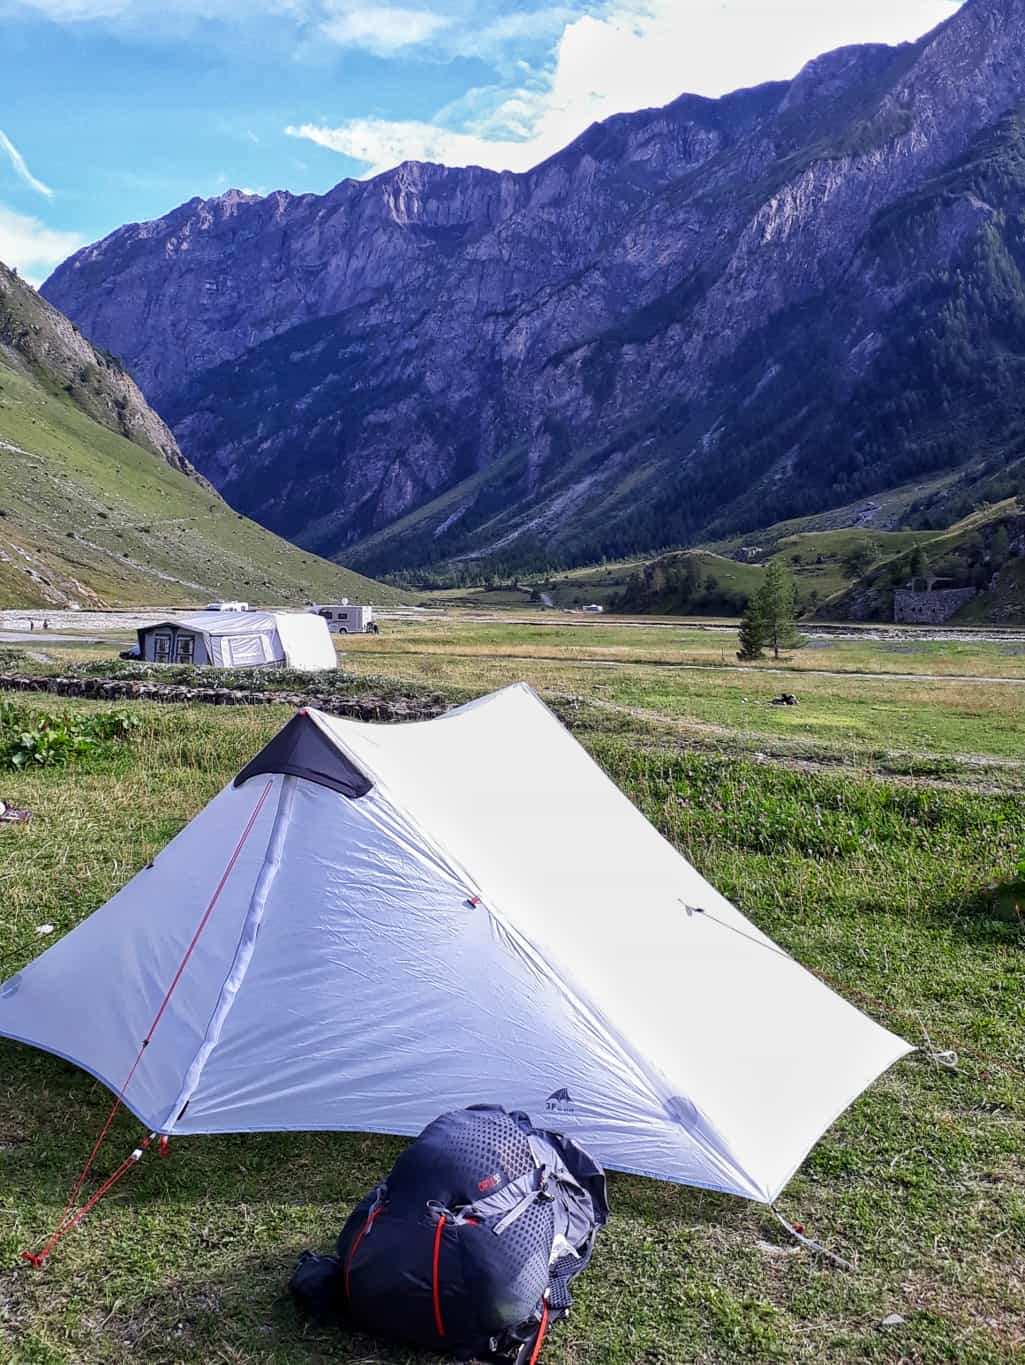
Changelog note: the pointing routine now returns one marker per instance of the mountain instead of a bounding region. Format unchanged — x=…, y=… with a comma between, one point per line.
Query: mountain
x=691, y=322
x=97, y=503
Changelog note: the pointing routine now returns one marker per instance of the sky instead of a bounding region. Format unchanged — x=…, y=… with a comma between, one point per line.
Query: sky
x=115, y=111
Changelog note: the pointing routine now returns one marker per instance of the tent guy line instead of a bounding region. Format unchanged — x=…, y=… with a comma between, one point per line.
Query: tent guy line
x=944, y=1057
x=67, y=1221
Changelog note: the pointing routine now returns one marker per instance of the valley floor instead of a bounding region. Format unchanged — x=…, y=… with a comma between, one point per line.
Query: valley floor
x=873, y=830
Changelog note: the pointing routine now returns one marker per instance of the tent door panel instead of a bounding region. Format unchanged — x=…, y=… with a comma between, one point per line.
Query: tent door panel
x=246, y=651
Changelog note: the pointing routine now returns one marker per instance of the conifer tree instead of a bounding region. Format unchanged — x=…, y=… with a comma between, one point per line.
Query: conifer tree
x=769, y=621
x=1000, y=548
x=751, y=636
x=778, y=608
x=920, y=564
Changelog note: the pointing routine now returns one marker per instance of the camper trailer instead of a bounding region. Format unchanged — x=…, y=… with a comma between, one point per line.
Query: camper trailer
x=345, y=619
x=237, y=639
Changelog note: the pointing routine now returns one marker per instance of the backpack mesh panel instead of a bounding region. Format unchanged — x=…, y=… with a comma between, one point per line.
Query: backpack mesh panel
x=488, y=1285
x=527, y=1245
x=457, y=1152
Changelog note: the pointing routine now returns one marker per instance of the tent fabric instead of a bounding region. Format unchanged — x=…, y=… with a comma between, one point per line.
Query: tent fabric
x=492, y=921
x=252, y=639
x=305, y=646
x=304, y=750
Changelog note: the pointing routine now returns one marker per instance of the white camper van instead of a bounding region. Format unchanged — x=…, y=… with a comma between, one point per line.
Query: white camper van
x=345, y=619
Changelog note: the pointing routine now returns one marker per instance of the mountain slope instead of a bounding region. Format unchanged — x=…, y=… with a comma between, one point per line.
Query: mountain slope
x=89, y=515
x=691, y=321
x=985, y=551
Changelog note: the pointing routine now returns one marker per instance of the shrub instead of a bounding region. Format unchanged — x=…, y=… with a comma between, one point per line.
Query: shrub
x=40, y=739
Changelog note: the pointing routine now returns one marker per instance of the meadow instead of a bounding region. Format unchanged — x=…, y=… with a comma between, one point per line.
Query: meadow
x=875, y=831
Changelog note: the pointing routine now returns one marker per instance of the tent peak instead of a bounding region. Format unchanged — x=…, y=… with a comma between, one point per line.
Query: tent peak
x=303, y=749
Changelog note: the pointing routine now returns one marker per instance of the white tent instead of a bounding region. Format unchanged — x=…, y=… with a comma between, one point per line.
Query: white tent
x=410, y=918
x=241, y=639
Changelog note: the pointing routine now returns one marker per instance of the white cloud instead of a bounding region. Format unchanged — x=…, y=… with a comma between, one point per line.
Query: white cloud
x=631, y=54
x=72, y=11
x=21, y=170
x=381, y=29
x=382, y=144
x=32, y=247
x=376, y=26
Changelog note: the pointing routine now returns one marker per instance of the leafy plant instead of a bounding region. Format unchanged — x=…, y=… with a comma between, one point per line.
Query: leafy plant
x=39, y=739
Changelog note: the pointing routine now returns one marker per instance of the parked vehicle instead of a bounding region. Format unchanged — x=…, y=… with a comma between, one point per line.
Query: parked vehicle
x=345, y=619
x=226, y=606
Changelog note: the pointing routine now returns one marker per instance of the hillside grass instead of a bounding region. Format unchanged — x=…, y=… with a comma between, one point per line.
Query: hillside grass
x=816, y=558
x=950, y=554
x=888, y=888
x=87, y=516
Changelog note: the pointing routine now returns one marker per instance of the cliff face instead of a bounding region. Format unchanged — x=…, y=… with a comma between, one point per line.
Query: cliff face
x=35, y=336
x=690, y=318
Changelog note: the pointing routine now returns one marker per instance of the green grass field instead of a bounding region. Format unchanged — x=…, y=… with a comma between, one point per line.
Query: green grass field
x=892, y=874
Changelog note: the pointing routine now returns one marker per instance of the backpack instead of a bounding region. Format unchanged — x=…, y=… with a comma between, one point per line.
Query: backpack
x=468, y=1248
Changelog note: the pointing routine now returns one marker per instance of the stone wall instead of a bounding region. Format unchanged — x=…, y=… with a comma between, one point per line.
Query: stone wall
x=121, y=689
x=929, y=608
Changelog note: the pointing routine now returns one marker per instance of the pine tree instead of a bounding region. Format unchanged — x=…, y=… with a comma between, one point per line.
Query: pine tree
x=778, y=607
x=751, y=636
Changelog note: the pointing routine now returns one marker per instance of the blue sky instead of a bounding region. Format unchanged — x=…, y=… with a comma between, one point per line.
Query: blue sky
x=114, y=111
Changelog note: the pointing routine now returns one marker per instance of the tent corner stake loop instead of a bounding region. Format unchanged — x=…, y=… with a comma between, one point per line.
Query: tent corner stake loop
x=796, y=1231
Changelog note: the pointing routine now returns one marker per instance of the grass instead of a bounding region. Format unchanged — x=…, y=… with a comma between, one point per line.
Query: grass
x=642, y=641
x=87, y=516
x=890, y=886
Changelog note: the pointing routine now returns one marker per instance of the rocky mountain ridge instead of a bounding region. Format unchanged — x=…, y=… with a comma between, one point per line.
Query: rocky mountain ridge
x=692, y=319
x=36, y=337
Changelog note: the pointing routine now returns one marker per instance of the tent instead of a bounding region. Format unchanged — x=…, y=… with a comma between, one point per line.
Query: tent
x=241, y=639
x=375, y=923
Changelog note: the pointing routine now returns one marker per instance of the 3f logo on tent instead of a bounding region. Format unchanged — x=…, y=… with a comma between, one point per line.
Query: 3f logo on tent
x=559, y=1102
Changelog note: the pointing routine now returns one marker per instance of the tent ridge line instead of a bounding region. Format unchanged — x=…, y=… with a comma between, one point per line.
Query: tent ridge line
x=243, y=954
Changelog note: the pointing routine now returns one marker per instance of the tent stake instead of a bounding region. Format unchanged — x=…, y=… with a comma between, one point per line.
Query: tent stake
x=807, y=1242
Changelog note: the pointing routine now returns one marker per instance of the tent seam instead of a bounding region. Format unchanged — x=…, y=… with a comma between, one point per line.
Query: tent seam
x=241, y=958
